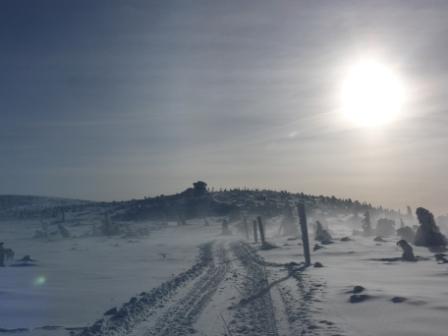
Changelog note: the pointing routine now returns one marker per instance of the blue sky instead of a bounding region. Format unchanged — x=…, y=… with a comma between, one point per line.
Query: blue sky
x=120, y=99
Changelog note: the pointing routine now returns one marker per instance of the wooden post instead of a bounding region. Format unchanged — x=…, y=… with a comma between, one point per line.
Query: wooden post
x=255, y=232
x=261, y=228
x=246, y=228
x=304, y=230
x=225, y=227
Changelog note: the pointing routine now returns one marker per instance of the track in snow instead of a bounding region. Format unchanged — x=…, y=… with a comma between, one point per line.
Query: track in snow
x=254, y=315
x=260, y=299
x=143, y=307
x=178, y=320
x=294, y=309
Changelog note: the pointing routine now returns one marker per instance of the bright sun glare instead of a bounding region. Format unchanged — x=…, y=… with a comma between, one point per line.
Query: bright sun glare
x=372, y=94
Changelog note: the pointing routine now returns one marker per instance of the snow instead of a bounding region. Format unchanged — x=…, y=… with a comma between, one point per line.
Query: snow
x=347, y=264
x=239, y=290
x=84, y=277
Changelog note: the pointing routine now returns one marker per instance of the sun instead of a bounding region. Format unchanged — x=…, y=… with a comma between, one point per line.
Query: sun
x=372, y=94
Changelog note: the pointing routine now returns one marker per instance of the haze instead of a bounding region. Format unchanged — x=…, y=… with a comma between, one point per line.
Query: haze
x=112, y=100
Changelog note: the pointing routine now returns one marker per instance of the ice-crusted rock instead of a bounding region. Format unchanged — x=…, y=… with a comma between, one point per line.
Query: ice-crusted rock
x=322, y=235
x=408, y=253
x=357, y=298
x=428, y=234
x=379, y=239
x=358, y=289
x=398, y=299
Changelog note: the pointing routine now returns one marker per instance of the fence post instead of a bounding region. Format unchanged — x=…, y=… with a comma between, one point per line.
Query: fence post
x=304, y=230
x=261, y=228
x=255, y=231
x=246, y=228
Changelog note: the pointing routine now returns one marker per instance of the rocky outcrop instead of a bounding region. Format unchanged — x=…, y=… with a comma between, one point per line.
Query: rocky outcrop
x=428, y=234
x=408, y=253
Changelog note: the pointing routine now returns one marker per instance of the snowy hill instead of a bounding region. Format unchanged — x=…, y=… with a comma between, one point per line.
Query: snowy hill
x=191, y=203
x=165, y=266
x=234, y=202
x=29, y=206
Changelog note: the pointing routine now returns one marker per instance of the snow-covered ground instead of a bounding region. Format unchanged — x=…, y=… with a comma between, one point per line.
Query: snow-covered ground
x=228, y=286
x=77, y=279
x=422, y=285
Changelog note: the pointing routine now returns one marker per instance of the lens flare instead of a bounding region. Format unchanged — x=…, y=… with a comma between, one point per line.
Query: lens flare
x=40, y=280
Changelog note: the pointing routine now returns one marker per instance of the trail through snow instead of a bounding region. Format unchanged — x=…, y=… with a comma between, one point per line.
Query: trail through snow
x=230, y=290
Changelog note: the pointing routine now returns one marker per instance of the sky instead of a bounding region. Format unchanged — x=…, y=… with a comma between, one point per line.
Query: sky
x=112, y=100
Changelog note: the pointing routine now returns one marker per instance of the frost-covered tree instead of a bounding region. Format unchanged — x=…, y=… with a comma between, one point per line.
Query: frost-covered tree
x=367, y=225
x=385, y=227
x=409, y=210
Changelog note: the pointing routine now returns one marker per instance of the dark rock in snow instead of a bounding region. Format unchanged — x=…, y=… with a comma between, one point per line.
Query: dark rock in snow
x=398, y=299
x=317, y=247
x=293, y=238
x=15, y=330
x=27, y=258
x=358, y=289
x=24, y=262
x=268, y=246
x=441, y=258
x=318, y=264
x=322, y=235
x=408, y=253
x=50, y=327
x=357, y=298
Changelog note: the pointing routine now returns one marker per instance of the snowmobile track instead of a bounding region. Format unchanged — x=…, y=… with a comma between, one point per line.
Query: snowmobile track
x=179, y=318
x=297, y=300
x=255, y=316
x=274, y=299
x=122, y=321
